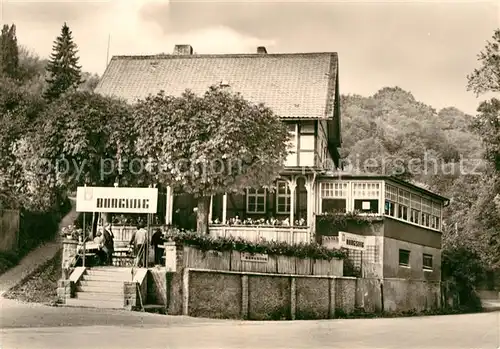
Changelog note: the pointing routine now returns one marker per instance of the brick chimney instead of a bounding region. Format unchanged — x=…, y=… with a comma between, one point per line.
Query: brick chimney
x=184, y=50
x=261, y=50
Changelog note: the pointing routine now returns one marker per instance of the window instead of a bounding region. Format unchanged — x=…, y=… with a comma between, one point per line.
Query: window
x=366, y=206
x=404, y=258
x=366, y=190
x=403, y=204
x=390, y=208
x=391, y=197
x=366, y=197
x=282, y=198
x=256, y=200
x=426, y=212
x=333, y=196
x=436, y=215
x=427, y=261
x=416, y=207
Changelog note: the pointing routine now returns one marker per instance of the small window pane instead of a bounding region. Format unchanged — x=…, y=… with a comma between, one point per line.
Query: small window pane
x=427, y=261
x=390, y=208
x=404, y=258
x=403, y=212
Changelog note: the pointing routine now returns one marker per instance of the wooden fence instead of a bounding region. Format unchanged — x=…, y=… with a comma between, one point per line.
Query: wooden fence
x=260, y=263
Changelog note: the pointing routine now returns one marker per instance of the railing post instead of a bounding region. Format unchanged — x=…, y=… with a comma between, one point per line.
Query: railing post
x=185, y=292
x=224, y=208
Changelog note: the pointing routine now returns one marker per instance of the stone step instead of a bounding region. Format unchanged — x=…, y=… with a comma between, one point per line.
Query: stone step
x=108, y=272
x=111, y=269
x=99, y=296
x=114, y=284
x=108, y=278
x=115, y=289
x=102, y=304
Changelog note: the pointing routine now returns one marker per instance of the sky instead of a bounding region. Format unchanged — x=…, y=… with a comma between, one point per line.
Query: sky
x=425, y=47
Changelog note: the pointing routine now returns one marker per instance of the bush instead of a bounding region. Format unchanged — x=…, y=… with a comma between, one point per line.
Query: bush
x=7, y=261
x=207, y=242
x=462, y=269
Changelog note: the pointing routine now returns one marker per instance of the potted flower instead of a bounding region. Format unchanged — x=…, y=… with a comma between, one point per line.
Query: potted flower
x=70, y=232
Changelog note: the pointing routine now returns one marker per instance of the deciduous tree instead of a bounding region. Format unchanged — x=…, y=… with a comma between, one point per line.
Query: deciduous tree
x=88, y=131
x=487, y=77
x=210, y=144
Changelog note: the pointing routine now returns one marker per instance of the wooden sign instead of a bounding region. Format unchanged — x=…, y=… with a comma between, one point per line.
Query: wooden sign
x=116, y=200
x=351, y=241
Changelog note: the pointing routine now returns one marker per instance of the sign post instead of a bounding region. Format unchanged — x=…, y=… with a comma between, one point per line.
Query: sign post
x=353, y=242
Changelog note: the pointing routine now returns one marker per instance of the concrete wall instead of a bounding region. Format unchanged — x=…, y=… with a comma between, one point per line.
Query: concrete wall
x=415, y=271
x=373, y=257
x=68, y=253
x=157, y=286
x=9, y=230
x=405, y=295
x=254, y=296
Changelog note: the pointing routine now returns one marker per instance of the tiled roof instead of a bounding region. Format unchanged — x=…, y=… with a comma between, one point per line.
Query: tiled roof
x=292, y=85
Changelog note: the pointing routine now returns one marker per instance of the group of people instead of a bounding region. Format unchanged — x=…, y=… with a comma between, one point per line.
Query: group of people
x=138, y=244
x=105, y=240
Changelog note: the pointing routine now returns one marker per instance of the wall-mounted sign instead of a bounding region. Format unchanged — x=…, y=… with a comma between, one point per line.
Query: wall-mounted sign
x=257, y=257
x=116, y=200
x=365, y=205
x=351, y=241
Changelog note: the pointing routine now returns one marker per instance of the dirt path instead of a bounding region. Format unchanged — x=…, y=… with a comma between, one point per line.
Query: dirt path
x=37, y=257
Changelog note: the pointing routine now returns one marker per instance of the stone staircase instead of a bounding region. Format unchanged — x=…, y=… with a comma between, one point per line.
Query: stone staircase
x=101, y=287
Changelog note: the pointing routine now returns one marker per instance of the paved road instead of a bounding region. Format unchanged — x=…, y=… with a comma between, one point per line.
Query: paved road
x=35, y=326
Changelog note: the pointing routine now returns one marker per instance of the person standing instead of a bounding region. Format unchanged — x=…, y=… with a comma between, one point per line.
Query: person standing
x=108, y=243
x=138, y=241
x=156, y=241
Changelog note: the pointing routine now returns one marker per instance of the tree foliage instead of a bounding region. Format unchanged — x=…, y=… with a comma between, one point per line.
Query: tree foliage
x=9, y=52
x=63, y=69
x=487, y=125
x=487, y=77
x=463, y=269
x=86, y=134
x=210, y=144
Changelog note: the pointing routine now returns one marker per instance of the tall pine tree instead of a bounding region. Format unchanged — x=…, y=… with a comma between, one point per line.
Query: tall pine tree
x=63, y=69
x=9, y=52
